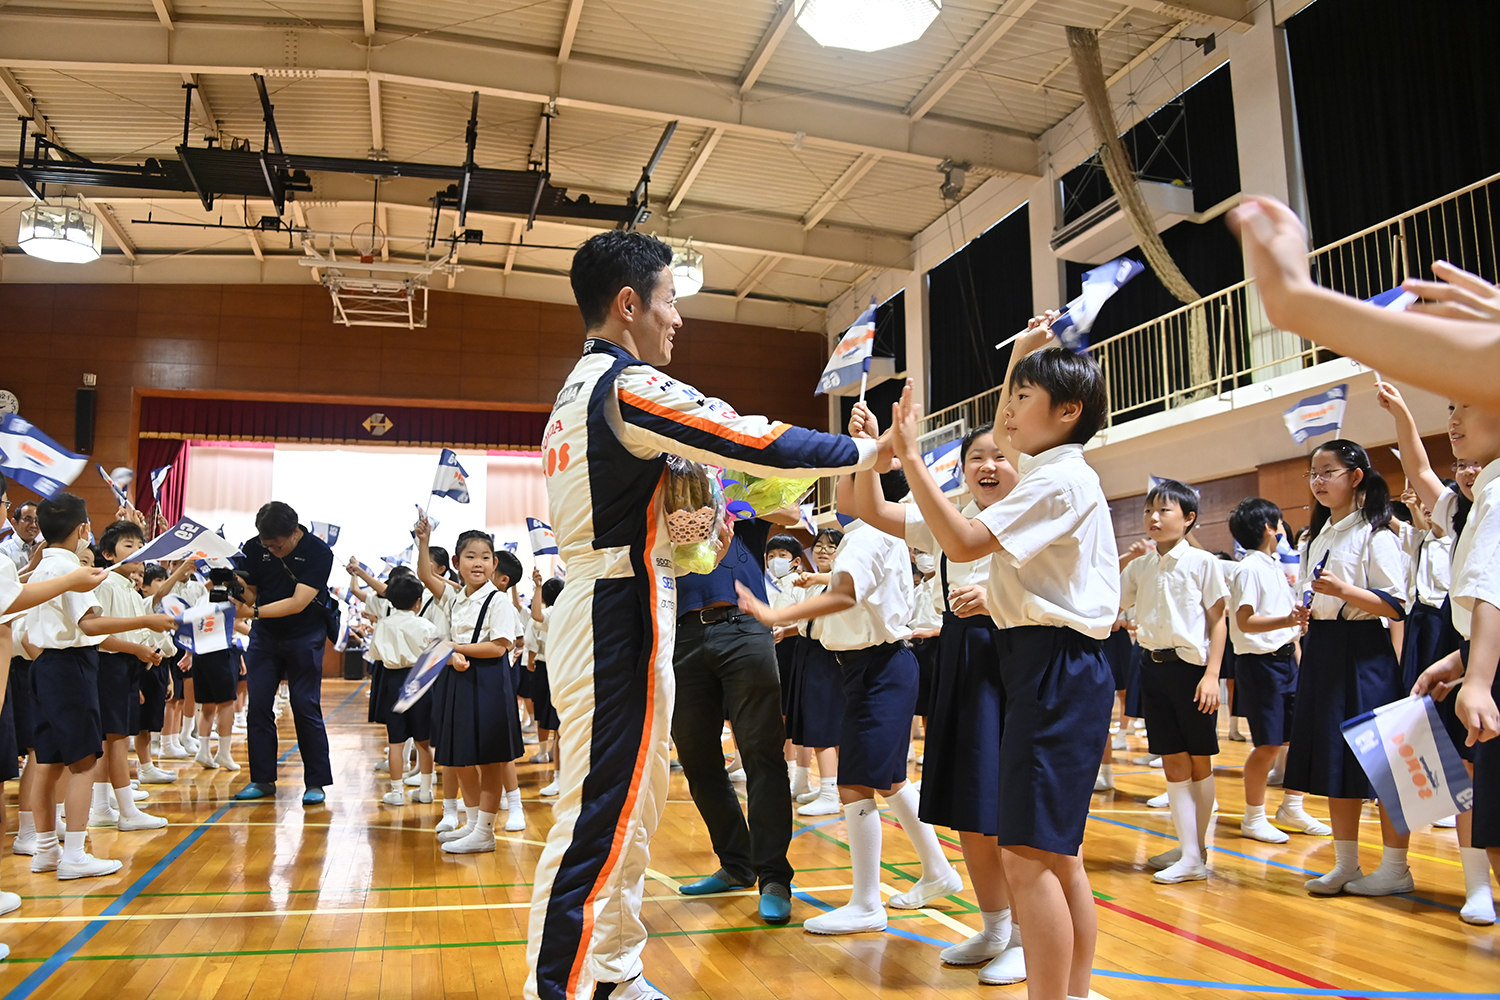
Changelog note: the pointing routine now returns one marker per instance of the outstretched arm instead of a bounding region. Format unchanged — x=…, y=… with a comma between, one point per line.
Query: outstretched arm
x=426, y=568
x=961, y=539
x=82, y=580
x=1414, y=461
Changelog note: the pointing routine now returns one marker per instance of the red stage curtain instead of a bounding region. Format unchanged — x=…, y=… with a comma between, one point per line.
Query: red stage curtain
x=153, y=454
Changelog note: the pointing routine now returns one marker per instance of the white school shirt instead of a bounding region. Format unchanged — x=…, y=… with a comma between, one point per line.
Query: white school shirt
x=1358, y=555
x=1429, y=559
x=10, y=589
x=193, y=592
x=400, y=637
x=880, y=567
x=536, y=633
x=1059, y=565
x=462, y=612
x=960, y=574
x=1261, y=586
x=54, y=624
x=378, y=606
x=927, y=604
x=1171, y=595
x=118, y=598
x=434, y=609
x=1476, y=556
x=781, y=593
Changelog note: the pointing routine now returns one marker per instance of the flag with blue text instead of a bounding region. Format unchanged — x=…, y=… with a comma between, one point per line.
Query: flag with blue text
x=543, y=541
x=1411, y=761
x=1073, y=326
x=450, y=481
x=34, y=460
x=851, y=358
x=188, y=540
x=942, y=462
x=1318, y=414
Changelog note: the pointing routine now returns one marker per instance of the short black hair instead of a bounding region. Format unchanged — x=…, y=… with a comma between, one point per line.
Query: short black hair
x=551, y=590
x=1183, y=495
x=611, y=261
x=473, y=535
x=117, y=531
x=786, y=542
x=400, y=571
x=834, y=535
x=276, y=520
x=153, y=572
x=404, y=592
x=970, y=438
x=1249, y=520
x=508, y=564
x=60, y=516
x=4, y=485
x=1067, y=377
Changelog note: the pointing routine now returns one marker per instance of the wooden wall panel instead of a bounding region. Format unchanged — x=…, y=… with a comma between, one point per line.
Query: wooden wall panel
x=1216, y=498
x=281, y=338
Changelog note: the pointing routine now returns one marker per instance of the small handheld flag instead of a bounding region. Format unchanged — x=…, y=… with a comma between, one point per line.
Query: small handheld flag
x=1078, y=316
x=543, y=542
x=34, y=460
x=158, y=479
x=806, y=510
x=1307, y=595
x=1409, y=757
x=424, y=673
x=851, y=358
x=405, y=557
x=115, y=488
x=1317, y=414
x=329, y=533
x=511, y=546
x=942, y=462
x=1396, y=299
x=451, y=480
x=188, y=540
x=204, y=629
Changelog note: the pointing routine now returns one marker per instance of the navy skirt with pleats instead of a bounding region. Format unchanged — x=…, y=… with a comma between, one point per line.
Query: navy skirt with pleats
x=476, y=719
x=961, y=759
x=815, y=715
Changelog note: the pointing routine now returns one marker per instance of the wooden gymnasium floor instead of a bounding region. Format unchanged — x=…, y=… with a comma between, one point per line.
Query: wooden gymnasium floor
x=354, y=899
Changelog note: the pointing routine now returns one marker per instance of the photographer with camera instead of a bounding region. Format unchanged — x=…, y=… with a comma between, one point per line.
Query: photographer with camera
x=214, y=679
x=285, y=570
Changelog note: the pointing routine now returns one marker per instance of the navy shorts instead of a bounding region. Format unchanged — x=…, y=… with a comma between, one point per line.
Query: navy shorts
x=65, y=694
x=1265, y=692
x=23, y=711
x=1173, y=722
x=1059, y=694
x=962, y=754
x=1123, y=656
x=1486, y=787
x=413, y=724
x=114, y=693
x=786, y=653
x=9, y=764
x=213, y=678
x=542, y=708
x=177, y=688
x=147, y=713
x=880, y=695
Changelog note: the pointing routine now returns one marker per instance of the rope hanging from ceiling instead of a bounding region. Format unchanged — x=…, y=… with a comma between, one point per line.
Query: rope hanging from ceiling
x=1083, y=43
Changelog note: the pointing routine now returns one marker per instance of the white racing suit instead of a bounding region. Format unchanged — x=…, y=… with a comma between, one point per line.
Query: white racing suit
x=611, y=637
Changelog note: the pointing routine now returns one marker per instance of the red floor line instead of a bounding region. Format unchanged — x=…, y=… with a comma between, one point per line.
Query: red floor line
x=1197, y=938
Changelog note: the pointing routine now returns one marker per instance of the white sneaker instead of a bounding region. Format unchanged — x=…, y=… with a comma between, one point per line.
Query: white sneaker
x=1333, y=883
x=224, y=760
x=413, y=780
x=153, y=775
x=448, y=836
x=1298, y=821
x=1263, y=831
x=396, y=798
x=142, y=821
x=978, y=950
x=172, y=749
x=240, y=723
x=139, y=794
x=1158, y=802
x=446, y=825
x=1118, y=743
x=552, y=789
x=190, y=744
x=638, y=989
x=737, y=776
x=421, y=796
x=45, y=860
x=1154, y=762
x=1275, y=778
x=24, y=844
x=846, y=920
x=476, y=842
x=1182, y=871
x=1479, y=909
x=103, y=818
x=515, y=820
x=203, y=758
x=925, y=892
x=1381, y=882
x=528, y=739
x=87, y=868
x=828, y=805
x=9, y=902
x=807, y=797
x=1103, y=782
x=1165, y=860
x=383, y=767
x=1008, y=967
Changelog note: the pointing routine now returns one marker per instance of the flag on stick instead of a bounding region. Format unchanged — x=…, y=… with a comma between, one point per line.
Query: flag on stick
x=424, y=673
x=543, y=541
x=34, y=460
x=1410, y=759
x=188, y=540
x=851, y=358
x=1317, y=414
x=450, y=481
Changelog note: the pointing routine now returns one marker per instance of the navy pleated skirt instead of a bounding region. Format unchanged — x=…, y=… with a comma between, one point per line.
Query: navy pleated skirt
x=815, y=715
x=520, y=677
x=1348, y=668
x=962, y=755
x=786, y=654
x=1433, y=646
x=476, y=720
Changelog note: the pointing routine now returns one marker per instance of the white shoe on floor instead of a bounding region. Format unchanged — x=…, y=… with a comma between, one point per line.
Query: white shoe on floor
x=1181, y=872
x=139, y=794
x=476, y=842
x=638, y=989
x=1158, y=802
x=446, y=825
x=1154, y=762
x=1118, y=743
x=1103, y=783
x=172, y=750
x=529, y=739
x=222, y=759
x=846, y=920
x=978, y=950
x=383, y=767
x=822, y=806
x=9, y=902
x=141, y=821
x=46, y=859
x=807, y=797
x=205, y=759
x=1298, y=821
x=1008, y=967
x=1331, y=884
x=449, y=836
x=421, y=796
x=100, y=818
x=1165, y=860
x=412, y=781
x=24, y=844
x=550, y=790
x=396, y=798
x=1381, y=883
x=1479, y=909
x=153, y=775
x=87, y=868
x=1275, y=778
x=515, y=820
x=190, y=745
x=1263, y=831
x=737, y=776
x=925, y=892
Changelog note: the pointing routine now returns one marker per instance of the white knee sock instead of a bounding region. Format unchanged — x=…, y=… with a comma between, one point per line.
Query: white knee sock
x=427, y=783
x=128, y=807
x=863, y=825
x=1184, y=806
x=1203, y=798
x=997, y=925
x=26, y=825
x=1479, y=899
x=514, y=798
x=450, y=810
x=1254, y=814
x=904, y=804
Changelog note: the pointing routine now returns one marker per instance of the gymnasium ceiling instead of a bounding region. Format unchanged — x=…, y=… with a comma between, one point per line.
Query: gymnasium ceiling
x=797, y=170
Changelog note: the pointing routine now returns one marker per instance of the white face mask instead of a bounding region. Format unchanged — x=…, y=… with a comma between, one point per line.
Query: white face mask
x=780, y=566
x=82, y=548
x=925, y=563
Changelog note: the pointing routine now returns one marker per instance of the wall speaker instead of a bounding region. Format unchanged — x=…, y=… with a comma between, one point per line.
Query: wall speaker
x=85, y=405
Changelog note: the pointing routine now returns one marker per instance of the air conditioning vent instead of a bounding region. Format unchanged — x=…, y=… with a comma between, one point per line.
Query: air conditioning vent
x=1102, y=233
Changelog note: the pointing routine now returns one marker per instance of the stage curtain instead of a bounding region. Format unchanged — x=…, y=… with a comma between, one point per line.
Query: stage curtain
x=153, y=454
x=227, y=485
x=516, y=490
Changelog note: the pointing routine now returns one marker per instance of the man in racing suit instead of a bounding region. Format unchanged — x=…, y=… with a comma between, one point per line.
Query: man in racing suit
x=612, y=631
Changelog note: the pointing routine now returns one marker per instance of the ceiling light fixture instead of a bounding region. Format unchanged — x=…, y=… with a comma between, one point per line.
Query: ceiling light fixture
x=61, y=234
x=687, y=270
x=865, y=25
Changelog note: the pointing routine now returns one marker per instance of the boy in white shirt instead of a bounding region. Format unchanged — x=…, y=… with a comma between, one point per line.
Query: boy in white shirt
x=1054, y=595
x=70, y=632
x=1177, y=593
x=400, y=637
x=868, y=605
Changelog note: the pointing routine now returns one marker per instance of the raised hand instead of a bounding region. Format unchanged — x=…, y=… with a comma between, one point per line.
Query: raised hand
x=1456, y=295
x=1276, y=244
x=1389, y=397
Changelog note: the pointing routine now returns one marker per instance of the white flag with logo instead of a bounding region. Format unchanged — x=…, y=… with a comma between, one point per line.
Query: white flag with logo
x=34, y=460
x=188, y=540
x=207, y=628
x=1410, y=759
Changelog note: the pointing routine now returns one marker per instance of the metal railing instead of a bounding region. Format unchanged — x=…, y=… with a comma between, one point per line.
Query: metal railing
x=1224, y=341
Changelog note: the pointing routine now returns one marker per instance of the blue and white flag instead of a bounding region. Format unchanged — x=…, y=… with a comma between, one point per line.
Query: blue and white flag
x=34, y=460
x=1073, y=326
x=806, y=510
x=1411, y=760
x=203, y=629
x=451, y=480
x=406, y=557
x=329, y=533
x=543, y=541
x=1318, y=414
x=158, y=479
x=851, y=358
x=511, y=546
x=943, y=463
x=1284, y=552
x=424, y=673
x=114, y=487
x=1307, y=593
x=188, y=540
x=1396, y=300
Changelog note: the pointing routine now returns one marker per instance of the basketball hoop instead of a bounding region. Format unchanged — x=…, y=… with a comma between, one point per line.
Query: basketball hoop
x=368, y=240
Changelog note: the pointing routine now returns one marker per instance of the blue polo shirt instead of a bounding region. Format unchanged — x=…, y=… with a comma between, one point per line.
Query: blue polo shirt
x=309, y=563
x=743, y=563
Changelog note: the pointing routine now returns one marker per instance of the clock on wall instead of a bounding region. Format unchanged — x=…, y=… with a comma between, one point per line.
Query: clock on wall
x=8, y=402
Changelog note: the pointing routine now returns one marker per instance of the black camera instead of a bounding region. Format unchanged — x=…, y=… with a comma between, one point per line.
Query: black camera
x=224, y=584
